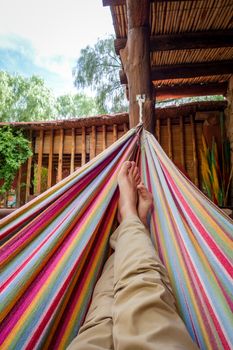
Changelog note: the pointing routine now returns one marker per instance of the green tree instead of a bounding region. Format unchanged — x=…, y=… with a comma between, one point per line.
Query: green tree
x=25, y=99
x=79, y=105
x=14, y=151
x=98, y=68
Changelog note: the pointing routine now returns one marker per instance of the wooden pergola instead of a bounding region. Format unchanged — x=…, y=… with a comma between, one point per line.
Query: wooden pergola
x=172, y=48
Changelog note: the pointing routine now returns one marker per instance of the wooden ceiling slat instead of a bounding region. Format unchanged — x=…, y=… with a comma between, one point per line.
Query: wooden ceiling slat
x=176, y=91
x=188, y=70
x=123, y=2
x=197, y=80
x=192, y=70
x=183, y=33
x=165, y=58
x=185, y=41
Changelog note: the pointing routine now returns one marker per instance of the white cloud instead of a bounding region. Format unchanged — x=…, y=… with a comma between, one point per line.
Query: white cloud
x=52, y=32
x=56, y=27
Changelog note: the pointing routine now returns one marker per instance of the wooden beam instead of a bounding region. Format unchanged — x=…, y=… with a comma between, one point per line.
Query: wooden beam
x=72, y=150
x=169, y=132
x=104, y=140
x=190, y=108
x=50, y=165
x=158, y=131
x=185, y=41
x=125, y=128
x=60, y=155
x=187, y=90
x=18, y=191
x=195, y=158
x=188, y=70
x=192, y=70
x=93, y=142
x=123, y=2
x=29, y=171
x=39, y=163
x=83, y=145
x=182, y=160
x=115, y=132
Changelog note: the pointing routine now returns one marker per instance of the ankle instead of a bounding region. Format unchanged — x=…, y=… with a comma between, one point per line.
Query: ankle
x=127, y=211
x=145, y=219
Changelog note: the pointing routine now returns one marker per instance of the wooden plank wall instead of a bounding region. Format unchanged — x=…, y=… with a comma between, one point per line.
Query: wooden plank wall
x=62, y=151
x=181, y=139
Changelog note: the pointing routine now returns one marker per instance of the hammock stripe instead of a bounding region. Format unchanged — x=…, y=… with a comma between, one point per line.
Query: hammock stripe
x=193, y=239
x=53, y=250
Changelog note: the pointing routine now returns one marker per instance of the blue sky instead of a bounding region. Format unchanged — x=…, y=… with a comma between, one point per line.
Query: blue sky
x=44, y=37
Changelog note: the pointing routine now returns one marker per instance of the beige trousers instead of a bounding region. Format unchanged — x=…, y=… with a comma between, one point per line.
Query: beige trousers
x=133, y=306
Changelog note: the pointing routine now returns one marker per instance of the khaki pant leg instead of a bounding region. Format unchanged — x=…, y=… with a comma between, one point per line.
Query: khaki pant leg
x=144, y=313
x=96, y=332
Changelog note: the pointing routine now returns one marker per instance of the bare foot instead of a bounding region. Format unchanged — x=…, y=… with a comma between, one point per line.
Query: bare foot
x=128, y=180
x=144, y=203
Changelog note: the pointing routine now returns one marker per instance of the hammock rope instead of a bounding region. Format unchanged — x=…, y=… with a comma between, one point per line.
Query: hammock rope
x=53, y=250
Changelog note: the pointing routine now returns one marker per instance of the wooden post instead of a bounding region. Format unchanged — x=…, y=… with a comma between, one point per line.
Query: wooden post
x=19, y=177
x=158, y=130
x=59, y=173
x=136, y=61
x=182, y=142
x=39, y=163
x=125, y=128
x=83, y=145
x=195, y=159
x=72, y=151
x=29, y=171
x=104, y=144
x=114, y=132
x=93, y=142
x=169, y=131
x=50, y=165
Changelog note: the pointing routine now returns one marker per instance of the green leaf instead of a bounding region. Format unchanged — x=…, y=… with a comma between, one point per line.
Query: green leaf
x=14, y=151
x=98, y=69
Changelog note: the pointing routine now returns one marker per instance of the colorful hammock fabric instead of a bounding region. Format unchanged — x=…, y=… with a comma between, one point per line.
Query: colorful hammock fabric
x=53, y=250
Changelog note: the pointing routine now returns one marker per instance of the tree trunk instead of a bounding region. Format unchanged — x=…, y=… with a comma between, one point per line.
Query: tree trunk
x=136, y=62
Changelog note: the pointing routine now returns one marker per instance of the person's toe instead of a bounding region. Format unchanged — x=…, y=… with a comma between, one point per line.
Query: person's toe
x=125, y=168
x=140, y=186
x=136, y=175
x=135, y=171
x=131, y=170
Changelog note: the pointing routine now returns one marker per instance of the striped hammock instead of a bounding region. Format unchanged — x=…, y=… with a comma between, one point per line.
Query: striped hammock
x=54, y=247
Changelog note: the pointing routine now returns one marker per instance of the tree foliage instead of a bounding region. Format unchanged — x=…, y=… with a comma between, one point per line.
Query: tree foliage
x=28, y=99
x=79, y=105
x=25, y=99
x=14, y=151
x=98, y=68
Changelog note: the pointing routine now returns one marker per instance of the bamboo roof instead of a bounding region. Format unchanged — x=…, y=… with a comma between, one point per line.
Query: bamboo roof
x=197, y=33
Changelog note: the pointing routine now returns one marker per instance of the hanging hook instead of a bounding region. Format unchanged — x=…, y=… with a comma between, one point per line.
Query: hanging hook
x=140, y=99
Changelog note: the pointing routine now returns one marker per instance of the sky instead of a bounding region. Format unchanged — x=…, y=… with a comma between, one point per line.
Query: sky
x=44, y=37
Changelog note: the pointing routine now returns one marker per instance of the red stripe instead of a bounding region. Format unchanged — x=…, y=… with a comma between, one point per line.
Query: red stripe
x=205, y=234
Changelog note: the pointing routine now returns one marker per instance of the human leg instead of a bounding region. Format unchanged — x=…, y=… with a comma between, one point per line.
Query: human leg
x=144, y=312
x=96, y=332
